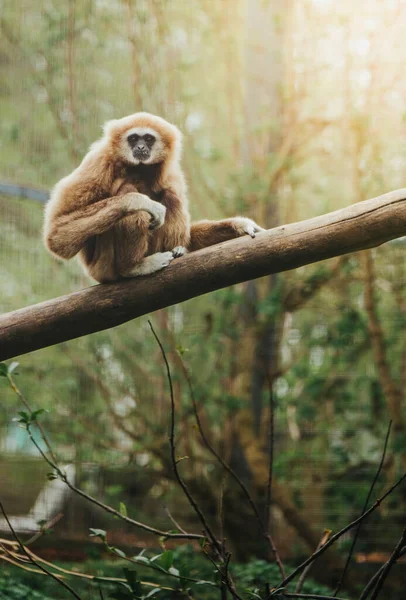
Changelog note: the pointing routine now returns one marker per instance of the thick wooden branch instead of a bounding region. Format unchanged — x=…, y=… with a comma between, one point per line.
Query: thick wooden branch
x=359, y=226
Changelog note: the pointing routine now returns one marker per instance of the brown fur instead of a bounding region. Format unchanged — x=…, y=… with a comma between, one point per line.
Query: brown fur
x=99, y=212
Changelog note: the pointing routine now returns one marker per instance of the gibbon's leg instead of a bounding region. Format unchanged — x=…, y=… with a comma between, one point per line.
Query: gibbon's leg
x=208, y=233
x=67, y=234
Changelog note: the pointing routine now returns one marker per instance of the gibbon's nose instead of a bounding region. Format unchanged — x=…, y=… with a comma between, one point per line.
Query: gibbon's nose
x=141, y=148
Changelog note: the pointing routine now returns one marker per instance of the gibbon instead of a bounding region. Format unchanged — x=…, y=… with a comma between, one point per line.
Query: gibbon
x=124, y=210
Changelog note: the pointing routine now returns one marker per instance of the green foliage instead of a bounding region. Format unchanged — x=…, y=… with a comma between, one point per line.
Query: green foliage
x=13, y=589
x=183, y=561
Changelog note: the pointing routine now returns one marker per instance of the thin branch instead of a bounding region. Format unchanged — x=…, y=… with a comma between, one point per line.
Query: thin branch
x=173, y=520
x=178, y=478
x=367, y=499
x=28, y=407
x=389, y=564
x=267, y=531
x=207, y=529
x=62, y=475
x=310, y=596
x=16, y=559
x=53, y=463
x=44, y=529
x=374, y=579
x=156, y=567
x=305, y=572
x=34, y=562
x=336, y=536
x=227, y=467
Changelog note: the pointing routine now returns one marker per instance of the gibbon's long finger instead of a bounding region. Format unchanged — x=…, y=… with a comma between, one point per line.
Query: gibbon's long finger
x=150, y=264
x=178, y=251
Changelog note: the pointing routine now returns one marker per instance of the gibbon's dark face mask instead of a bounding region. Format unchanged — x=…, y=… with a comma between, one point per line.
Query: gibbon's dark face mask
x=141, y=145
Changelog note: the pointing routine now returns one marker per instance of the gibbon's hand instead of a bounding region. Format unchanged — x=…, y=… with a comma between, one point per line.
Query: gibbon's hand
x=136, y=201
x=247, y=226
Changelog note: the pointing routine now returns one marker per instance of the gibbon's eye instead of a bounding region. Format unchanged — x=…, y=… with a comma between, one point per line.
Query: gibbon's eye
x=133, y=139
x=149, y=138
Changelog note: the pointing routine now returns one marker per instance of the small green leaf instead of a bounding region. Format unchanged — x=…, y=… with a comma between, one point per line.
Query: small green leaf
x=181, y=350
x=153, y=592
x=174, y=571
x=3, y=370
x=142, y=559
x=166, y=560
x=119, y=552
x=12, y=367
x=36, y=413
x=100, y=533
x=24, y=418
x=123, y=509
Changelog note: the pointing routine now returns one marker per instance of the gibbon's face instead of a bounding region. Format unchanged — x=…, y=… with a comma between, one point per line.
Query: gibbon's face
x=143, y=145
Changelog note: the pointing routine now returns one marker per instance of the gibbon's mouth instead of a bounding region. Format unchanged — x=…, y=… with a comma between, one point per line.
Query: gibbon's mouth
x=141, y=156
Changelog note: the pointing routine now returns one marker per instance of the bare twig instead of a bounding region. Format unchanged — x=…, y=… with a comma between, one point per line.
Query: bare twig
x=388, y=565
x=226, y=466
x=156, y=567
x=28, y=407
x=16, y=559
x=336, y=536
x=62, y=475
x=173, y=520
x=215, y=544
x=34, y=562
x=178, y=478
x=53, y=463
x=305, y=572
x=310, y=596
x=267, y=531
x=374, y=579
x=367, y=499
x=45, y=528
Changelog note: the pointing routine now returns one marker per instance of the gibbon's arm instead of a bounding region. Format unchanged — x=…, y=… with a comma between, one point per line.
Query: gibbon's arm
x=66, y=234
x=177, y=213
x=207, y=233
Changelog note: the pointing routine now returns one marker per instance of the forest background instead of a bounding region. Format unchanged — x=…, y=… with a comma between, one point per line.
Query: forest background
x=289, y=109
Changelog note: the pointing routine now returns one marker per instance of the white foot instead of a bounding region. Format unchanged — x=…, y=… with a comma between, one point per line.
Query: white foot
x=178, y=251
x=157, y=211
x=246, y=226
x=150, y=264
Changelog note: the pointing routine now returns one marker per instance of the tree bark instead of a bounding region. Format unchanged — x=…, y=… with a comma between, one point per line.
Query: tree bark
x=357, y=227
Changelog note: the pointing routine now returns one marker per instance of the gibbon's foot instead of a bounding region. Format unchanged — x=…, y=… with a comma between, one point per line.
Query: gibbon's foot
x=246, y=226
x=150, y=264
x=157, y=211
x=178, y=251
